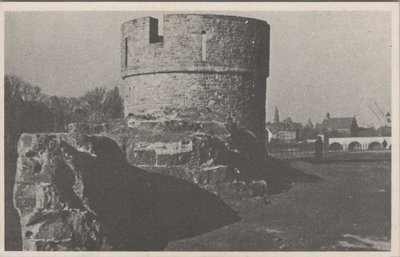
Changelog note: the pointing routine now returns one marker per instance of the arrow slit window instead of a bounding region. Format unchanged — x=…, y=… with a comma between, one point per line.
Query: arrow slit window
x=203, y=45
x=126, y=52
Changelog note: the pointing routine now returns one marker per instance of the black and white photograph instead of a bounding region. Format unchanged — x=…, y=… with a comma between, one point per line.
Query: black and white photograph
x=215, y=128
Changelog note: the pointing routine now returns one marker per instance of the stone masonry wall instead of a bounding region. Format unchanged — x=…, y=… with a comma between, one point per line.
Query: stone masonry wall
x=233, y=44
x=222, y=93
x=196, y=152
x=171, y=71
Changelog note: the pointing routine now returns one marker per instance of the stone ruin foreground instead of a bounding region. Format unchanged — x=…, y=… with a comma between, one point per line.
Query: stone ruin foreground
x=195, y=111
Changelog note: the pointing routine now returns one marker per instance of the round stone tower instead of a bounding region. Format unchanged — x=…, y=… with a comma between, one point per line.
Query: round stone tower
x=201, y=61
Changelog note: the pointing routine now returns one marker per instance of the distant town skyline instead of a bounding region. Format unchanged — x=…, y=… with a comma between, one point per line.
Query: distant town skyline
x=380, y=122
x=321, y=61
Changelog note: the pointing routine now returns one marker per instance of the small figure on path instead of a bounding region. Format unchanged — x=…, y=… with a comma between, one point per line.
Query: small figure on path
x=318, y=148
x=384, y=144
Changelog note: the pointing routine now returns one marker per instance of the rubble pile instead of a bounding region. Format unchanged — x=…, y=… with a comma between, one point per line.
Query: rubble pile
x=95, y=187
x=204, y=152
x=48, y=197
x=70, y=197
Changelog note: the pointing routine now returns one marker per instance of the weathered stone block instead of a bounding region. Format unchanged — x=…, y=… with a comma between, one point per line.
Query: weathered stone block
x=214, y=128
x=142, y=157
x=181, y=172
x=85, y=128
x=34, y=169
x=38, y=143
x=25, y=197
x=46, y=192
x=173, y=159
x=215, y=174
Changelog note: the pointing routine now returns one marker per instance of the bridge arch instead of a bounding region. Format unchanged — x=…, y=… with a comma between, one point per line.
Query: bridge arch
x=335, y=147
x=374, y=146
x=355, y=146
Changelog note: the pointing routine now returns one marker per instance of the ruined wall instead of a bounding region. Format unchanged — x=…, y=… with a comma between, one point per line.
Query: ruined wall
x=70, y=197
x=198, y=152
x=213, y=61
x=21, y=117
x=48, y=195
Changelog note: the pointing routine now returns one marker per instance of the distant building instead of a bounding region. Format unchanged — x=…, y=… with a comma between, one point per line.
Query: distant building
x=367, y=132
x=271, y=134
x=287, y=136
x=385, y=131
x=339, y=127
x=282, y=133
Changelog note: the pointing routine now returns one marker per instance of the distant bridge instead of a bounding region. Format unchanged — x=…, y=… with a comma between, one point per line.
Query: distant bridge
x=359, y=143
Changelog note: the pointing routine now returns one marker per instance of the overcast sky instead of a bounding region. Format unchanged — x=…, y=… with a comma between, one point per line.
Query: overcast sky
x=320, y=61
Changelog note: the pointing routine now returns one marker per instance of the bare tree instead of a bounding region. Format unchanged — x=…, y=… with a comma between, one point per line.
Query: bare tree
x=113, y=105
x=93, y=101
x=309, y=124
x=26, y=91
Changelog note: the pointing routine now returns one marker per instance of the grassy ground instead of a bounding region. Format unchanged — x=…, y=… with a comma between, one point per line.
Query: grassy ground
x=349, y=209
